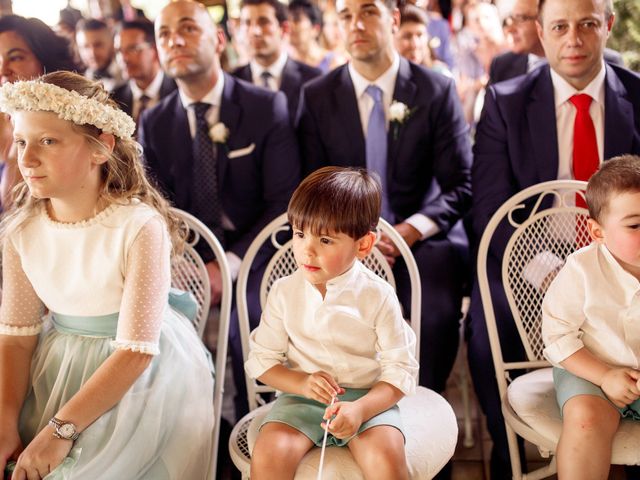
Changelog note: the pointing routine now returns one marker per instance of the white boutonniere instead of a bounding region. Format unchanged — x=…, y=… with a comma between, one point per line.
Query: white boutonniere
x=219, y=133
x=399, y=113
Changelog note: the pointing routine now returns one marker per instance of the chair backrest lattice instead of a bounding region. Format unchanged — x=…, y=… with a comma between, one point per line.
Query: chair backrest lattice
x=189, y=273
x=547, y=228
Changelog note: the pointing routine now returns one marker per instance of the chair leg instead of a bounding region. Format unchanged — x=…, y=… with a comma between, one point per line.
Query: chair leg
x=463, y=382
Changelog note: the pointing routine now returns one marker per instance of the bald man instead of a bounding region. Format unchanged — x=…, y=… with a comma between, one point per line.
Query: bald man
x=252, y=164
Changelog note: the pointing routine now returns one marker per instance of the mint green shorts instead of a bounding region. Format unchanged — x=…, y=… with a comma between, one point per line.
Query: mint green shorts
x=305, y=415
x=569, y=385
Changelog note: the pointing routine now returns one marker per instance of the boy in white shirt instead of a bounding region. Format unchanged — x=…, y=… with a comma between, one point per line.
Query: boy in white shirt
x=591, y=324
x=333, y=329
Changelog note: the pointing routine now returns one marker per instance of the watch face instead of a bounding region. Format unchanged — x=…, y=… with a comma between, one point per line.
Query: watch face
x=67, y=430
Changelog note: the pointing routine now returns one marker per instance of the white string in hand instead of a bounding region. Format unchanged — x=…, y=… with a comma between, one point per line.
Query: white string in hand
x=324, y=442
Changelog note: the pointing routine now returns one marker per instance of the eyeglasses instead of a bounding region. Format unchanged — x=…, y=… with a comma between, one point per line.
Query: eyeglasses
x=517, y=19
x=132, y=49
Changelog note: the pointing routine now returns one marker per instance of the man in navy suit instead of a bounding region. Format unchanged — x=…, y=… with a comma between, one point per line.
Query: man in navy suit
x=266, y=25
x=257, y=156
x=426, y=179
x=524, y=137
x=136, y=52
x=526, y=52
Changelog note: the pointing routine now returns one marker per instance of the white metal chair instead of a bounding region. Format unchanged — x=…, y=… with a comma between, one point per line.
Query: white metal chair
x=430, y=424
x=542, y=237
x=188, y=273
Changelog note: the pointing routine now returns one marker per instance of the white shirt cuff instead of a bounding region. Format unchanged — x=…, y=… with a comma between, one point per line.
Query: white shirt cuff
x=423, y=224
x=234, y=262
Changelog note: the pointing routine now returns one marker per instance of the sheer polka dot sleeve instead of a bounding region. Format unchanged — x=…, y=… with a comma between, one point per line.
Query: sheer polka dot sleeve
x=21, y=310
x=146, y=287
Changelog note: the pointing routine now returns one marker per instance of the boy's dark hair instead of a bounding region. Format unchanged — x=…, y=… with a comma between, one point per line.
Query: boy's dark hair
x=307, y=8
x=412, y=14
x=142, y=24
x=618, y=175
x=337, y=200
x=279, y=7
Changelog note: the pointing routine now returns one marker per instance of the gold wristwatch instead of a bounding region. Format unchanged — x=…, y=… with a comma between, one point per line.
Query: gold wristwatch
x=64, y=430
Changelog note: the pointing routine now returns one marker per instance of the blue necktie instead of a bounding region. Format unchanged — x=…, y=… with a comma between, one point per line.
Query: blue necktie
x=376, y=144
x=207, y=206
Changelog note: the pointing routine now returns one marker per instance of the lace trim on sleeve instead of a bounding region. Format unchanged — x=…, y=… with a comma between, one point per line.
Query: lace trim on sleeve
x=148, y=348
x=20, y=331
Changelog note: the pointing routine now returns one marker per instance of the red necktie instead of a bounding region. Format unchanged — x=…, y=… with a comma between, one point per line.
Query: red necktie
x=585, y=156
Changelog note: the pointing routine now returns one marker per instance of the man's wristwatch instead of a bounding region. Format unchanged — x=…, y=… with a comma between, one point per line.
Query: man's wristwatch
x=64, y=430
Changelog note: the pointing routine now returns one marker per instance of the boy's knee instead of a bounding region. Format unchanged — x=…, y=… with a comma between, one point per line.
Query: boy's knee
x=590, y=413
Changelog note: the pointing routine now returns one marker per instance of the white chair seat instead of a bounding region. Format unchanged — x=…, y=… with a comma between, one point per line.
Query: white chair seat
x=532, y=397
x=427, y=449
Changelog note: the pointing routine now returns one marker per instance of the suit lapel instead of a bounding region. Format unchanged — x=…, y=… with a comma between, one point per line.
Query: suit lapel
x=290, y=78
x=230, y=116
x=348, y=117
x=541, y=119
x=618, y=117
x=179, y=147
x=404, y=92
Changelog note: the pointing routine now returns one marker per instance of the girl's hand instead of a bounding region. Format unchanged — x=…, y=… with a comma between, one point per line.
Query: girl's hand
x=10, y=446
x=347, y=421
x=621, y=386
x=42, y=455
x=321, y=387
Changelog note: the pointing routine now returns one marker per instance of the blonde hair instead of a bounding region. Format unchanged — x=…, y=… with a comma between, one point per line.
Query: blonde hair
x=123, y=176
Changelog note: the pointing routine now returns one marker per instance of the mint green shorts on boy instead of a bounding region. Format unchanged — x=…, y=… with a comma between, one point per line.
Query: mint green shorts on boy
x=569, y=385
x=305, y=415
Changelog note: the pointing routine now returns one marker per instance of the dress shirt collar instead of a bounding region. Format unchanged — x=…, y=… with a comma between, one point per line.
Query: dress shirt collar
x=535, y=61
x=563, y=91
x=338, y=283
x=152, y=91
x=629, y=283
x=386, y=81
x=213, y=97
x=275, y=69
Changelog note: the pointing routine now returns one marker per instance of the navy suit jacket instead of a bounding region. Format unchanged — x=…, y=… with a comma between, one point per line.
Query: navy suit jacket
x=510, y=65
x=255, y=187
x=294, y=75
x=516, y=139
x=124, y=97
x=429, y=154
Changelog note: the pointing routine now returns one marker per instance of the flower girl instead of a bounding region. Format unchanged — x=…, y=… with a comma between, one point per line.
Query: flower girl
x=117, y=385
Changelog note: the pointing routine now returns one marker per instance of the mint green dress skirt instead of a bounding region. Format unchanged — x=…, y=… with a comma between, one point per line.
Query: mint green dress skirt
x=162, y=427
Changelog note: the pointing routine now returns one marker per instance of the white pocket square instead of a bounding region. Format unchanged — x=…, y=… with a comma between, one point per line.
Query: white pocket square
x=240, y=152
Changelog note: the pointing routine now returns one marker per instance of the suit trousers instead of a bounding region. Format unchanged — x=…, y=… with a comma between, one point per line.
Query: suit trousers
x=443, y=267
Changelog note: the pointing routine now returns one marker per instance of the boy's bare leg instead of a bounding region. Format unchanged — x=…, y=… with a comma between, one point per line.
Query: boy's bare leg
x=278, y=450
x=584, y=450
x=379, y=451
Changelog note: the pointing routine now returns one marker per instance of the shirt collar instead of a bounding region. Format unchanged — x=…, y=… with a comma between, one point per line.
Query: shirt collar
x=152, y=91
x=563, y=91
x=213, y=97
x=386, y=81
x=338, y=283
x=628, y=281
x=275, y=69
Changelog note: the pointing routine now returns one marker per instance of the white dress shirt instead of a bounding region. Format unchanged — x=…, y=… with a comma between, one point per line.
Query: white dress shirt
x=213, y=97
x=356, y=333
x=593, y=303
x=566, y=115
x=275, y=69
x=387, y=83
x=152, y=91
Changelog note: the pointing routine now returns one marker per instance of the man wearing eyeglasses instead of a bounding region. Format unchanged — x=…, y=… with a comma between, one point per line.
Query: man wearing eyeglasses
x=137, y=55
x=526, y=51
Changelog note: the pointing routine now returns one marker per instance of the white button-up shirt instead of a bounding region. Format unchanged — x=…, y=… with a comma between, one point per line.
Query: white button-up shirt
x=593, y=303
x=356, y=333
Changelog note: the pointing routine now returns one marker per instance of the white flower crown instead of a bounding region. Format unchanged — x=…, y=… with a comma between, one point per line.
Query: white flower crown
x=34, y=95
